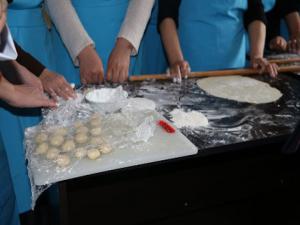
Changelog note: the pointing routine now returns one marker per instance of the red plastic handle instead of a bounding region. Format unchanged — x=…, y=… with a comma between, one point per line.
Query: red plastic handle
x=167, y=127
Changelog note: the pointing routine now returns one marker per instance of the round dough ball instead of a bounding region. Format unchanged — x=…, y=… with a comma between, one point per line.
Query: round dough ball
x=40, y=138
x=105, y=149
x=68, y=146
x=81, y=138
x=82, y=129
x=96, y=141
x=60, y=131
x=93, y=154
x=96, y=122
x=63, y=160
x=96, y=131
x=56, y=140
x=78, y=124
x=80, y=153
x=52, y=153
x=42, y=148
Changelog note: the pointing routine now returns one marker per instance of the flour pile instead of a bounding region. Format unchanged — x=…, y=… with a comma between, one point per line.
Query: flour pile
x=192, y=119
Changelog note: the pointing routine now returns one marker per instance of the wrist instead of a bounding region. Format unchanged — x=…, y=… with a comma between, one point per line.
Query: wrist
x=85, y=52
x=124, y=44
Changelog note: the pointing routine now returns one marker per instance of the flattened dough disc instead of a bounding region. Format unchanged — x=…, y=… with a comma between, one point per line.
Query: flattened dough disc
x=240, y=88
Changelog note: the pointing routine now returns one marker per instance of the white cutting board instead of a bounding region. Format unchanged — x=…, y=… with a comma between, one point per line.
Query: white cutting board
x=161, y=146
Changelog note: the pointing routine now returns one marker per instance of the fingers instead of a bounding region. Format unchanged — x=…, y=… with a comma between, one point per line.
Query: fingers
x=294, y=46
x=264, y=66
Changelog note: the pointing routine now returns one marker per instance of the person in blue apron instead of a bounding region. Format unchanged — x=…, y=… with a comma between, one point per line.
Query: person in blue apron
x=283, y=31
x=28, y=28
x=18, y=96
x=114, y=28
x=212, y=36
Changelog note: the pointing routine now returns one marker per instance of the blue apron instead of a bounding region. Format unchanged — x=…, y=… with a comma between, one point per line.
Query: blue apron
x=212, y=35
x=8, y=208
x=151, y=58
x=29, y=30
x=268, y=4
x=102, y=19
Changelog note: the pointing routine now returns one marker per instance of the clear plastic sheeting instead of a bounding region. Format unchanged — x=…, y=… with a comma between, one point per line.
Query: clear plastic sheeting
x=74, y=139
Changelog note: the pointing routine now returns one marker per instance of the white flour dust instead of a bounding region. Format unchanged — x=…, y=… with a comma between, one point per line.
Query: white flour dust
x=192, y=119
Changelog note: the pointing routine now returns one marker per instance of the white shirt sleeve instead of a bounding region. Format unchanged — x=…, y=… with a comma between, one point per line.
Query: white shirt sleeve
x=8, y=50
x=69, y=27
x=134, y=25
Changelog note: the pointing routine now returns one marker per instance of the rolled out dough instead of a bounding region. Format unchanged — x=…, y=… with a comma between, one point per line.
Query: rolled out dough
x=240, y=88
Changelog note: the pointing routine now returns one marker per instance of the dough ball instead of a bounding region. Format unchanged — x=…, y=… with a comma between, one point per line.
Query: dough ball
x=68, y=146
x=56, y=140
x=80, y=153
x=105, y=149
x=42, y=148
x=96, y=131
x=63, y=160
x=60, y=132
x=52, y=153
x=81, y=138
x=96, y=141
x=82, y=129
x=95, y=122
x=78, y=124
x=40, y=138
x=93, y=154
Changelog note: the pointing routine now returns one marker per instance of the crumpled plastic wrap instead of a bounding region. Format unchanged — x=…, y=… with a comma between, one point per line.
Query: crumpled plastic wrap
x=76, y=133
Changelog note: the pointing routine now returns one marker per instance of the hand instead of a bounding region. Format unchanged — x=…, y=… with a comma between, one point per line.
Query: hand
x=293, y=46
x=178, y=70
x=119, y=60
x=56, y=85
x=24, y=96
x=91, y=68
x=264, y=66
x=278, y=44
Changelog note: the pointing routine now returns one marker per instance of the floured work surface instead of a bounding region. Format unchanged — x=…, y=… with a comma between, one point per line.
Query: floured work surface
x=230, y=122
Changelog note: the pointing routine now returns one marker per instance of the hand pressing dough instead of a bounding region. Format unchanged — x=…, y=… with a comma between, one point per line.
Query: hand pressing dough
x=42, y=148
x=82, y=129
x=40, y=138
x=81, y=138
x=239, y=88
x=68, y=146
x=95, y=131
x=80, y=153
x=96, y=141
x=93, y=154
x=60, y=132
x=56, y=140
x=63, y=160
x=52, y=153
x=105, y=149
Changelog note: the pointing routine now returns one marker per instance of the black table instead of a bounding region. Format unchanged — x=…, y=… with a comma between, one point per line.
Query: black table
x=239, y=157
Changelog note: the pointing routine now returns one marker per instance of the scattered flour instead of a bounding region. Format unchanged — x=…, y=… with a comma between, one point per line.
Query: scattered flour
x=190, y=119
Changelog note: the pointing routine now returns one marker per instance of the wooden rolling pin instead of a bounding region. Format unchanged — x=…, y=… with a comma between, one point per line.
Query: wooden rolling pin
x=249, y=71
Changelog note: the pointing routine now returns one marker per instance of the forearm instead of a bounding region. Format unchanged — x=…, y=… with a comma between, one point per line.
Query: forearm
x=6, y=89
x=170, y=40
x=293, y=22
x=69, y=27
x=134, y=25
x=257, y=36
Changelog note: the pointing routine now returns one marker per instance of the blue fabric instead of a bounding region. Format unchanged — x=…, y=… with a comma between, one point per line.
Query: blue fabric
x=268, y=4
x=151, y=58
x=8, y=208
x=102, y=19
x=28, y=29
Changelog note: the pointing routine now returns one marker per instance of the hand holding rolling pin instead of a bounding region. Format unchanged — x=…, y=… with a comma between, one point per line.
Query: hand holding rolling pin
x=178, y=70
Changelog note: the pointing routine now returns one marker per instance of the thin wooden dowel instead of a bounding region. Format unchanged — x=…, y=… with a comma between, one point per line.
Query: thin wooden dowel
x=249, y=71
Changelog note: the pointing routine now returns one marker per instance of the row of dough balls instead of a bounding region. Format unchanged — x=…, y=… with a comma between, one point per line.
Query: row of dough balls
x=63, y=159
